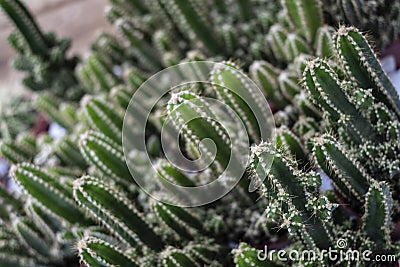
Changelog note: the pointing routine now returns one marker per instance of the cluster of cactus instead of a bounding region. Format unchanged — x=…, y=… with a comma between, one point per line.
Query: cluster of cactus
x=17, y=115
x=41, y=55
x=379, y=19
x=337, y=114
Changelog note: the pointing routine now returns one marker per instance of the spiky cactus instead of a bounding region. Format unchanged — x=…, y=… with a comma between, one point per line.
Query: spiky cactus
x=341, y=119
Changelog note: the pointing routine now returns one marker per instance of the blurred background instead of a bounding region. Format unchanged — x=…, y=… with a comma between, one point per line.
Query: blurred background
x=79, y=20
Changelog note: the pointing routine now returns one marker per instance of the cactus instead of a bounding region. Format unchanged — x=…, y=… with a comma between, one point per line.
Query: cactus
x=42, y=56
x=338, y=117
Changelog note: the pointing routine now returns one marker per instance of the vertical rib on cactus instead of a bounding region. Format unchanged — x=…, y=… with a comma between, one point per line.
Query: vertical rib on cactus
x=172, y=257
x=363, y=68
x=183, y=224
x=96, y=75
x=15, y=153
x=142, y=50
x=238, y=94
x=109, y=47
x=106, y=155
x=182, y=108
x=104, y=118
x=47, y=193
x=287, y=140
x=191, y=22
x=118, y=214
x=289, y=186
x=324, y=42
x=167, y=171
x=204, y=253
x=29, y=236
x=122, y=96
x=26, y=25
x=326, y=90
x=305, y=16
x=295, y=46
x=289, y=85
x=246, y=9
x=266, y=76
x=95, y=252
x=46, y=224
x=276, y=38
x=347, y=174
x=68, y=151
x=377, y=217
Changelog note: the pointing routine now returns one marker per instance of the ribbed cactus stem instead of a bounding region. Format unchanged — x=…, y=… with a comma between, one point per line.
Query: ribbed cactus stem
x=172, y=257
x=288, y=141
x=104, y=118
x=324, y=42
x=191, y=22
x=289, y=188
x=116, y=212
x=326, y=90
x=46, y=192
x=348, y=176
x=32, y=240
x=95, y=252
x=305, y=16
x=106, y=155
x=26, y=25
x=296, y=46
x=142, y=49
x=266, y=76
x=51, y=107
x=181, y=221
x=378, y=211
x=276, y=38
x=185, y=106
x=242, y=96
x=363, y=68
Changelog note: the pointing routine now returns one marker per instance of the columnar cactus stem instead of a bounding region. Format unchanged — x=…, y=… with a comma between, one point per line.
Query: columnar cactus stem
x=51, y=106
x=172, y=257
x=276, y=38
x=326, y=90
x=296, y=46
x=324, y=42
x=182, y=222
x=266, y=77
x=47, y=192
x=32, y=240
x=347, y=174
x=287, y=140
x=363, y=68
x=185, y=106
x=192, y=23
x=142, y=50
x=290, y=189
x=95, y=252
x=68, y=151
x=240, y=95
x=27, y=26
x=106, y=120
x=106, y=155
x=377, y=217
x=305, y=15
x=118, y=214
